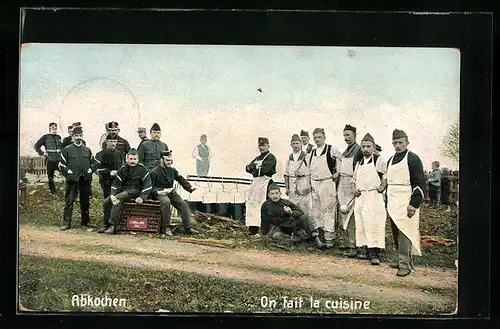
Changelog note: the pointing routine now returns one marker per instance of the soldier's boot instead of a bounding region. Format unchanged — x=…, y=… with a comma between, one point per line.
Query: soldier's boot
x=66, y=225
x=191, y=231
x=299, y=236
x=329, y=244
x=373, y=256
x=362, y=253
x=352, y=252
x=317, y=240
x=110, y=230
x=167, y=233
x=394, y=265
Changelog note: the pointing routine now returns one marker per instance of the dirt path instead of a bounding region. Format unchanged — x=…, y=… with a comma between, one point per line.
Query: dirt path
x=339, y=276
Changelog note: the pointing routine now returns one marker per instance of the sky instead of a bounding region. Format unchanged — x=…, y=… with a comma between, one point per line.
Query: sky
x=190, y=90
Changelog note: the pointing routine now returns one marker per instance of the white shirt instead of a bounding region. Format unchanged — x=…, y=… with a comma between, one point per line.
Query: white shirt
x=296, y=156
x=304, y=147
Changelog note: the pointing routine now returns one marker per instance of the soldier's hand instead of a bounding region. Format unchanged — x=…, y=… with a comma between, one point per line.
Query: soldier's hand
x=89, y=171
x=69, y=171
x=410, y=211
x=192, y=190
x=115, y=200
x=288, y=210
x=357, y=193
x=139, y=200
x=113, y=172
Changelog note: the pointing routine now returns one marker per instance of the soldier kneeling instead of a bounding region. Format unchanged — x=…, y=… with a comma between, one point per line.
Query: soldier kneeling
x=284, y=215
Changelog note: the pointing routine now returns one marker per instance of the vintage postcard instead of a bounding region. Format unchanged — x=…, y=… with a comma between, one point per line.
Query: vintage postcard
x=244, y=179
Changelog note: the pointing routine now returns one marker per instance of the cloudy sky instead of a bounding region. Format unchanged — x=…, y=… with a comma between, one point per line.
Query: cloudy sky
x=191, y=90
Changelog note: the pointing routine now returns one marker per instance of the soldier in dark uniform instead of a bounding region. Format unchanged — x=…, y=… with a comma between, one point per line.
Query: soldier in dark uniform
x=306, y=146
x=105, y=135
x=149, y=151
x=77, y=164
x=283, y=214
x=132, y=181
x=110, y=160
x=122, y=144
x=163, y=177
x=53, y=146
x=142, y=132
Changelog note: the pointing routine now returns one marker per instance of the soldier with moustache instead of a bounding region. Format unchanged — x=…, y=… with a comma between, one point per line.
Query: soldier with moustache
x=346, y=187
x=132, y=181
x=110, y=161
x=122, y=144
x=298, y=177
x=163, y=177
x=262, y=168
x=69, y=139
x=306, y=146
x=150, y=150
x=77, y=165
x=53, y=146
x=405, y=194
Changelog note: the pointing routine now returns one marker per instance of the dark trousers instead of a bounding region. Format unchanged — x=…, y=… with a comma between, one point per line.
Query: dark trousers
x=106, y=192
x=182, y=207
x=292, y=223
x=51, y=169
x=434, y=194
x=116, y=210
x=72, y=189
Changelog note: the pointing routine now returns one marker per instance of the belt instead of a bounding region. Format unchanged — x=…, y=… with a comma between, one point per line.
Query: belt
x=320, y=179
x=52, y=150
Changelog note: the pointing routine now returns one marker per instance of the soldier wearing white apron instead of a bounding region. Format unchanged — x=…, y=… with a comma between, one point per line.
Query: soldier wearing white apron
x=369, y=209
x=306, y=146
x=298, y=178
x=262, y=169
x=346, y=187
x=405, y=194
x=324, y=165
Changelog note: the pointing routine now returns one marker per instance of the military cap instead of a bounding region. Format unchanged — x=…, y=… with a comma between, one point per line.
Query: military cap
x=397, y=133
x=368, y=138
x=141, y=130
x=52, y=125
x=167, y=154
x=349, y=127
x=203, y=136
x=77, y=130
x=378, y=148
x=155, y=127
x=263, y=140
x=295, y=138
x=319, y=130
x=273, y=187
x=110, y=137
x=113, y=125
x=77, y=124
x=133, y=151
x=304, y=133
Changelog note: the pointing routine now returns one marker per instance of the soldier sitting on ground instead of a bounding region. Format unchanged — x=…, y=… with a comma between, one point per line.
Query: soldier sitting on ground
x=284, y=215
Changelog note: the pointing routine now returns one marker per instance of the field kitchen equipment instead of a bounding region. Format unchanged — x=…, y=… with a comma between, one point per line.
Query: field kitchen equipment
x=144, y=217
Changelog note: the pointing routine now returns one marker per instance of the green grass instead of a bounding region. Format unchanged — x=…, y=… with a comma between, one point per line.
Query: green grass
x=44, y=210
x=48, y=284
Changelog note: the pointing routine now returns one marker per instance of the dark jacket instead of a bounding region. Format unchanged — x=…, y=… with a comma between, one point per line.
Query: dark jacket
x=53, y=147
x=142, y=141
x=268, y=167
x=68, y=141
x=149, y=152
x=163, y=178
x=135, y=180
x=122, y=145
x=108, y=160
x=79, y=160
x=273, y=213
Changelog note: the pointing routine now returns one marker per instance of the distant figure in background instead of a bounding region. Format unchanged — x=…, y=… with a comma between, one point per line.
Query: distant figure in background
x=306, y=146
x=110, y=161
x=102, y=141
x=202, y=153
x=163, y=178
x=454, y=187
x=262, y=168
x=122, y=144
x=67, y=140
x=434, y=179
x=77, y=165
x=53, y=146
x=142, y=133
x=445, y=189
x=150, y=150
x=298, y=177
x=378, y=149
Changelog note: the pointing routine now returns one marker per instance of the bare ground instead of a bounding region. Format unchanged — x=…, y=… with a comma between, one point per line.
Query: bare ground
x=323, y=273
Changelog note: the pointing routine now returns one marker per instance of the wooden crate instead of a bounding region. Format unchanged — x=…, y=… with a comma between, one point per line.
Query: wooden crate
x=143, y=217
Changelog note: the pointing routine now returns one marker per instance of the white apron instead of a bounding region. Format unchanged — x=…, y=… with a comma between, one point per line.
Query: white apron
x=346, y=190
x=324, y=195
x=256, y=196
x=369, y=209
x=298, y=176
x=398, y=198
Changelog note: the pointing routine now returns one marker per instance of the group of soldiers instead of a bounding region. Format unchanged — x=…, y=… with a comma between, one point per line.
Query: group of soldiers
x=354, y=190
x=327, y=190
x=125, y=174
